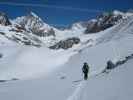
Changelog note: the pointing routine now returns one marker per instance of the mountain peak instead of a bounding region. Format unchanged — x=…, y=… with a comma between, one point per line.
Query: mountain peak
x=4, y=19
x=33, y=14
x=34, y=24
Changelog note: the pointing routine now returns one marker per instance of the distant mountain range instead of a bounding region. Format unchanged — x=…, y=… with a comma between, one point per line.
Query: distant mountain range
x=32, y=30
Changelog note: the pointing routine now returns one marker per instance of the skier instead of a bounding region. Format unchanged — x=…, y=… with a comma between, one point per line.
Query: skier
x=85, y=70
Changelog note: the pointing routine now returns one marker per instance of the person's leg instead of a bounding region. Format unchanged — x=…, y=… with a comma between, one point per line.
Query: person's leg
x=85, y=76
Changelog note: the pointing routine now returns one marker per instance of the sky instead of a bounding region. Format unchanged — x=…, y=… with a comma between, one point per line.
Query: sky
x=63, y=12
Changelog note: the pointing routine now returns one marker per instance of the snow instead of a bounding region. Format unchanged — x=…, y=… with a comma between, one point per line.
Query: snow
x=33, y=62
x=77, y=30
x=30, y=21
x=55, y=81
x=33, y=14
x=115, y=85
x=56, y=74
x=74, y=32
x=116, y=12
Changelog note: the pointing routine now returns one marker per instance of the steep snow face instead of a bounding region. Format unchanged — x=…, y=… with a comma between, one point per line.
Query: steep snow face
x=11, y=35
x=105, y=21
x=34, y=24
x=75, y=30
x=119, y=31
x=79, y=25
x=30, y=21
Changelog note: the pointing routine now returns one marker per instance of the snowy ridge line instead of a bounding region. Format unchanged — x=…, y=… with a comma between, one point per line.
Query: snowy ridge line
x=118, y=63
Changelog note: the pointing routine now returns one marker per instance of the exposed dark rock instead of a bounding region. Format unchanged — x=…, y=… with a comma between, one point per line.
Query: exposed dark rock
x=66, y=43
x=42, y=33
x=103, y=22
x=121, y=62
x=4, y=19
x=2, y=33
x=110, y=65
x=50, y=32
x=25, y=38
x=25, y=41
x=18, y=29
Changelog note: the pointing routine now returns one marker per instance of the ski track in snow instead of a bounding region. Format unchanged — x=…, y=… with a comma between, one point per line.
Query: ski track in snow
x=77, y=93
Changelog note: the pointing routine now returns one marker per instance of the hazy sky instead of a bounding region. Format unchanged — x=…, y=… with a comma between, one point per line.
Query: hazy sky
x=63, y=12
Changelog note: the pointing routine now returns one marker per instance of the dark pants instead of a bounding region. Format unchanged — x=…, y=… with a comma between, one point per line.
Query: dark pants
x=85, y=76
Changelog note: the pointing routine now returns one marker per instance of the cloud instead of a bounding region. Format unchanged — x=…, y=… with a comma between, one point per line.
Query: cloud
x=51, y=6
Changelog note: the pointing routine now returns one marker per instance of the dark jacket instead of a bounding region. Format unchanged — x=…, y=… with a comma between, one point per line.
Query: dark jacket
x=85, y=68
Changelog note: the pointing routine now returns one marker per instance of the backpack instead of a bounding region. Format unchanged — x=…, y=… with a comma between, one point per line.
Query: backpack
x=85, y=69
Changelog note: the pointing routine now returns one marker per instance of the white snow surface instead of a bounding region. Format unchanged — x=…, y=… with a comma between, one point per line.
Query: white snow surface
x=31, y=62
x=58, y=84
x=45, y=74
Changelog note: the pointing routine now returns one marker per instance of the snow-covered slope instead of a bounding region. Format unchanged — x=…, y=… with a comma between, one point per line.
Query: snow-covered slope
x=42, y=73
x=31, y=62
x=115, y=85
x=109, y=40
x=67, y=75
x=10, y=35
